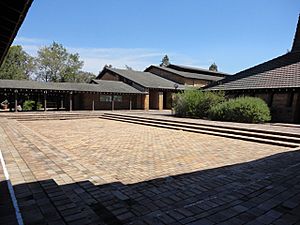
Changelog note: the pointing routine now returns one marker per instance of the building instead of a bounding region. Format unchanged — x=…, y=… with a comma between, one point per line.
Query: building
x=158, y=90
x=113, y=88
x=185, y=75
x=105, y=95
x=277, y=81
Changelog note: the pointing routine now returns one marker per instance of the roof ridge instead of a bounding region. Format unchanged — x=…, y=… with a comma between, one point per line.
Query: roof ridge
x=107, y=80
x=197, y=68
x=185, y=74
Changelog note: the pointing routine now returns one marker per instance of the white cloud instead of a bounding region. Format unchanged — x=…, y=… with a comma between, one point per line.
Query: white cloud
x=30, y=40
x=137, y=58
x=95, y=58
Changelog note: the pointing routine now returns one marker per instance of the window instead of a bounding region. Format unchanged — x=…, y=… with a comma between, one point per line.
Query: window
x=105, y=98
x=108, y=98
x=118, y=98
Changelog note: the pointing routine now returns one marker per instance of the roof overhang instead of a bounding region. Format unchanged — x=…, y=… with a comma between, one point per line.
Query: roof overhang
x=27, y=86
x=12, y=15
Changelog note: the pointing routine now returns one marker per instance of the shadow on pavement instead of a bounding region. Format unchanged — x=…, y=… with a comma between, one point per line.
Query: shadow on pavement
x=264, y=191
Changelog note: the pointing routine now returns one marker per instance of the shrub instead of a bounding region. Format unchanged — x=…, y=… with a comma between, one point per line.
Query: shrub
x=195, y=103
x=29, y=105
x=242, y=109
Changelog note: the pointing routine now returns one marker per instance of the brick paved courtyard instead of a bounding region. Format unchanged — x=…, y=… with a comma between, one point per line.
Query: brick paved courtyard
x=97, y=171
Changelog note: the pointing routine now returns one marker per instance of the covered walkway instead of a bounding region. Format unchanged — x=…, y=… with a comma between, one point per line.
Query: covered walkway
x=105, y=95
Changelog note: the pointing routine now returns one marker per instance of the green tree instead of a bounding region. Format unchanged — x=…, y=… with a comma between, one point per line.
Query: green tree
x=56, y=64
x=84, y=77
x=17, y=64
x=165, y=61
x=213, y=67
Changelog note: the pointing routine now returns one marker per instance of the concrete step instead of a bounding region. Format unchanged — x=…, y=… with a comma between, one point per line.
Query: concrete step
x=198, y=123
x=55, y=116
x=248, y=136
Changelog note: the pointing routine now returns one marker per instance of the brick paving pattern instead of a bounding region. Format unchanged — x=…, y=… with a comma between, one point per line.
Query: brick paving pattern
x=97, y=171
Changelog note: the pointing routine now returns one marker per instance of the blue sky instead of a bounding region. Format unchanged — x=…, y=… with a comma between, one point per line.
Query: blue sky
x=235, y=34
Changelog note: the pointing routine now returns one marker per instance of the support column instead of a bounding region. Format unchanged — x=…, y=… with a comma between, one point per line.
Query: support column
x=160, y=100
x=45, y=100
x=112, y=103
x=146, y=102
x=71, y=100
x=173, y=95
x=16, y=100
x=61, y=102
x=57, y=102
x=93, y=103
x=130, y=102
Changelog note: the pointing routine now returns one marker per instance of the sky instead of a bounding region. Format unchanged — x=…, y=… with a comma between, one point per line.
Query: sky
x=235, y=34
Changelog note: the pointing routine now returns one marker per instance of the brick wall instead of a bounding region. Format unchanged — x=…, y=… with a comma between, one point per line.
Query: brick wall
x=284, y=107
x=84, y=102
x=153, y=99
x=178, y=79
x=195, y=82
x=167, y=75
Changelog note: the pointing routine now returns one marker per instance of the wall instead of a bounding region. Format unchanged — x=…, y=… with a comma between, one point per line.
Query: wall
x=109, y=76
x=153, y=99
x=139, y=102
x=167, y=75
x=168, y=100
x=86, y=100
x=195, y=82
x=283, y=107
x=178, y=79
x=281, y=111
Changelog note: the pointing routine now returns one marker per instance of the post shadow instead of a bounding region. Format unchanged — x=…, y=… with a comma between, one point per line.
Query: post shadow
x=262, y=191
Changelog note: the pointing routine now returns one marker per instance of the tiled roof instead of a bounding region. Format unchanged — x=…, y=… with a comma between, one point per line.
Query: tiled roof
x=281, y=72
x=145, y=79
x=116, y=86
x=12, y=14
x=187, y=74
x=101, y=87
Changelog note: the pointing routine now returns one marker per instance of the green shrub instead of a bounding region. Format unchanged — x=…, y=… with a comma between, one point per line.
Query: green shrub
x=195, y=103
x=242, y=109
x=29, y=105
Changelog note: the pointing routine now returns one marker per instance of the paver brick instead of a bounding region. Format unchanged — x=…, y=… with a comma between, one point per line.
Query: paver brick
x=96, y=171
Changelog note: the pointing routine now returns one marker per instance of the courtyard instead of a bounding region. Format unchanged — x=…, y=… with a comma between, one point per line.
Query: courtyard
x=97, y=171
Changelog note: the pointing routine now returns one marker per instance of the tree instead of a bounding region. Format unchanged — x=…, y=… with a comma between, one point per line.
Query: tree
x=213, y=67
x=84, y=77
x=57, y=65
x=108, y=66
x=73, y=65
x=165, y=61
x=17, y=64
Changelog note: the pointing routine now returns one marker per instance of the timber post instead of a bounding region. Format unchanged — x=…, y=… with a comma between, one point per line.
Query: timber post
x=45, y=100
x=71, y=100
x=16, y=100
